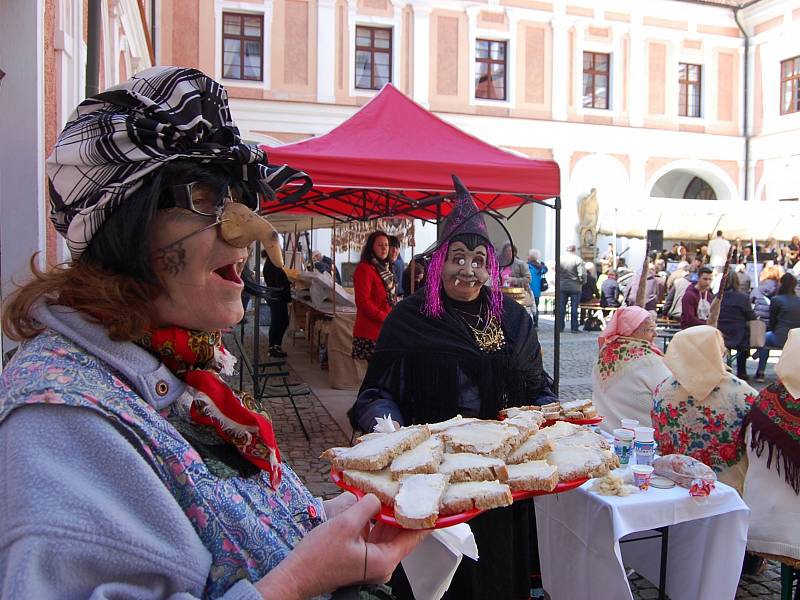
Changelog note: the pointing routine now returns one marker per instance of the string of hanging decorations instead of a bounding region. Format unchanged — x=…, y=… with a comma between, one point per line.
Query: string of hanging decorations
x=351, y=237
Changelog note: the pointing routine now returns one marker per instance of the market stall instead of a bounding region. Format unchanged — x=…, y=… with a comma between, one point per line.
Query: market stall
x=393, y=158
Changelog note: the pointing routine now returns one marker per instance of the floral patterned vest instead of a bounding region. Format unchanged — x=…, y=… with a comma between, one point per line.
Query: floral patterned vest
x=247, y=528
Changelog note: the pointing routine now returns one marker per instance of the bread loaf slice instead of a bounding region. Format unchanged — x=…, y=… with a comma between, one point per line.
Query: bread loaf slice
x=589, y=412
x=577, y=462
x=535, y=447
x=379, y=483
x=513, y=411
x=584, y=438
x=533, y=475
x=492, y=438
x=454, y=422
x=377, y=452
x=463, y=466
x=560, y=429
x=571, y=405
x=527, y=420
x=425, y=458
x=416, y=505
x=481, y=495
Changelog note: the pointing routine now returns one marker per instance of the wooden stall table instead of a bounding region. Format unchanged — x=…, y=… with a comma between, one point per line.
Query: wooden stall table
x=344, y=372
x=580, y=534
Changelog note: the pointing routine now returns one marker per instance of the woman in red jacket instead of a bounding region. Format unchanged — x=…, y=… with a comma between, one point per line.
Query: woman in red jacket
x=375, y=290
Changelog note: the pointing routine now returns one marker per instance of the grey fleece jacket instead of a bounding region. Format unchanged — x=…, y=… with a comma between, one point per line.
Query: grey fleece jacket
x=68, y=525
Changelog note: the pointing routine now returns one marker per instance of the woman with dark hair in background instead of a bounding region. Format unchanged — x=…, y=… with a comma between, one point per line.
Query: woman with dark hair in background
x=784, y=314
x=278, y=299
x=375, y=291
x=734, y=314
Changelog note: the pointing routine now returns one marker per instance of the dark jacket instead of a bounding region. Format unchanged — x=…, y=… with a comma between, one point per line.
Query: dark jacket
x=734, y=314
x=609, y=293
x=760, y=297
x=784, y=314
x=589, y=289
x=689, y=303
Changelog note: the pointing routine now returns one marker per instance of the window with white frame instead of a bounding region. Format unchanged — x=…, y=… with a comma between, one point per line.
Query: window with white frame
x=242, y=46
x=373, y=57
x=596, y=78
x=490, y=69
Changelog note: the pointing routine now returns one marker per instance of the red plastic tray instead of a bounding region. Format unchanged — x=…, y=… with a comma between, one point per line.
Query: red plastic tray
x=386, y=515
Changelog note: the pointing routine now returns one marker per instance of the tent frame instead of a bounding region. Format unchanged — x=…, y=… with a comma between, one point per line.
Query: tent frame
x=405, y=206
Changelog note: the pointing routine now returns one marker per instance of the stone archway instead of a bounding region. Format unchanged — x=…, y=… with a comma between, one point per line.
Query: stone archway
x=691, y=179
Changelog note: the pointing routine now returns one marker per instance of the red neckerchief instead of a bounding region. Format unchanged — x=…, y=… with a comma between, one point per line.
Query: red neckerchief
x=195, y=357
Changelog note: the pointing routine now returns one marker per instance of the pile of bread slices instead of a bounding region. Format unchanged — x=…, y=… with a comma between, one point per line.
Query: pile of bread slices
x=440, y=469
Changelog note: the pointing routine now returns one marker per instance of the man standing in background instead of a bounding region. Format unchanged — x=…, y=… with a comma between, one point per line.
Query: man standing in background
x=398, y=266
x=573, y=275
x=718, y=249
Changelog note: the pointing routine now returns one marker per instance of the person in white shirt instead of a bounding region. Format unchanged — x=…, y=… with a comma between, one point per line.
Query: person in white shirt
x=718, y=249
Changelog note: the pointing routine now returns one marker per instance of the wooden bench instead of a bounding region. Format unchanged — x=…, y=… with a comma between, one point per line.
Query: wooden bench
x=601, y=312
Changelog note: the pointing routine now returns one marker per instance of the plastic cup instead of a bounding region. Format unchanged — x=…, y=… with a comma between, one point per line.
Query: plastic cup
x=643, y=446
x=631, y=424
x=623, y=444
x=642, y=474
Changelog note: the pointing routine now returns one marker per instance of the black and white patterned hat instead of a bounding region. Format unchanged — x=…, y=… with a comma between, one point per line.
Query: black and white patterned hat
x=115, y=139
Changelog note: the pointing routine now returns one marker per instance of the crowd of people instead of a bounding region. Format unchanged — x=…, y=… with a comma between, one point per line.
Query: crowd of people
x=121, y=356
x=681, y=290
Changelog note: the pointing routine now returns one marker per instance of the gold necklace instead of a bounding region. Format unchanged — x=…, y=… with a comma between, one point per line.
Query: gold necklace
x=490, y=338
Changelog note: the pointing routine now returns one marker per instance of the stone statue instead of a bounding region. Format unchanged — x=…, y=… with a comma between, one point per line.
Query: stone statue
x=589, y=211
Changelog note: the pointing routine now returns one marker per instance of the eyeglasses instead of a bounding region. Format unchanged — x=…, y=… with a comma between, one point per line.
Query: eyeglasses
x=199, y=198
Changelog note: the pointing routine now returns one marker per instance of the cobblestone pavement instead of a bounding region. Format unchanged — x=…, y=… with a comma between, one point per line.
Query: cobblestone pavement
x=578, y=352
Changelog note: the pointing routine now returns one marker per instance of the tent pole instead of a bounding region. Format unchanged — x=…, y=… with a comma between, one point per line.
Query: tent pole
x=755, y=262
x=311, y=244
x=333, y=267
x=614, y=255
x=556, y=310
x=413, y=278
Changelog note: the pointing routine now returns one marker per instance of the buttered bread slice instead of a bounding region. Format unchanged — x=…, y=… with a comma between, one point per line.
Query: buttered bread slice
x=561, y=429
x=379, y=483
x=463, y=466
x=533, y=475
x=456, y=421
x=535, y=447
x=425, y=458
x=470, y=495
x=492, y=438
x=416, y=505
x=584, y=438
x=577, y=462
x=377, y=452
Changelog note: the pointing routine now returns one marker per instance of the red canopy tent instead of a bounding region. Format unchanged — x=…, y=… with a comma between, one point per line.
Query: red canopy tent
x=394, y=158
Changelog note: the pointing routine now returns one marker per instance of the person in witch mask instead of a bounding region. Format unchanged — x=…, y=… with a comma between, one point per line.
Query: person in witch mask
x=459, y=346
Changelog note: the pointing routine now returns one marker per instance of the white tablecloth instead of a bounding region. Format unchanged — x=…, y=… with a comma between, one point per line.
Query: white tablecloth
x=581, y=557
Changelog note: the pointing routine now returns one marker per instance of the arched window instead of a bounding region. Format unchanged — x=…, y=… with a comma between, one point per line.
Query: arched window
x=699, y=189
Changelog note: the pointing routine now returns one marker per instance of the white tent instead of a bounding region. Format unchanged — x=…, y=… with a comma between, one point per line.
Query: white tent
x=682, y=219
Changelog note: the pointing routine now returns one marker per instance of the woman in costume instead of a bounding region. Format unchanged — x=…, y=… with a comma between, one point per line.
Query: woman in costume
x=459, y=346
x=772, y=484
x=700, y=408
x=133, y=469
x=628, y=368
x=375, y=291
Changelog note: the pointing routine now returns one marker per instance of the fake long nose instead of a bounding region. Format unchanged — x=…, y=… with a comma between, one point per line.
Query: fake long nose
x=241, y=227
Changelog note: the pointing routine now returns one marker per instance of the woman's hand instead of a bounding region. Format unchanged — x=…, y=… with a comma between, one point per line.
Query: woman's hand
x=343, y=551
x=339, y=504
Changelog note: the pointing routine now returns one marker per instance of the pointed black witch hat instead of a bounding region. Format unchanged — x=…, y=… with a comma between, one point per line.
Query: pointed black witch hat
x=466, y=219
